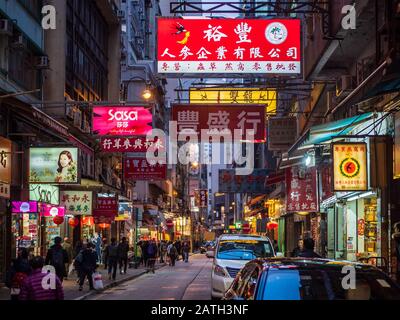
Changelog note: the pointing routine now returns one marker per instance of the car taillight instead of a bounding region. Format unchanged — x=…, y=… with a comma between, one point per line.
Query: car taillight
x=219, y=271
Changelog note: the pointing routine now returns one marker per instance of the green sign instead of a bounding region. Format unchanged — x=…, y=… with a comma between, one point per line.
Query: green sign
x=238, y=225
x=45, y=193
x=77, y=202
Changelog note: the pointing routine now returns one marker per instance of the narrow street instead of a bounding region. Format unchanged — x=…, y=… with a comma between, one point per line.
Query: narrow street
x=185, y=281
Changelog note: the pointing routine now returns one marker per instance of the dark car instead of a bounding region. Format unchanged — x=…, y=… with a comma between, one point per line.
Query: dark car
x=207, y=246
x=311, y=279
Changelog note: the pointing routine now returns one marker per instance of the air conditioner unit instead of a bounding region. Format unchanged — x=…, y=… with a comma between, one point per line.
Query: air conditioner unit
x=20, y=42
x=78, y=118
x=121, y=14
x=140, y=41
x=43, y=62
x=6, y=27
x=344, y=84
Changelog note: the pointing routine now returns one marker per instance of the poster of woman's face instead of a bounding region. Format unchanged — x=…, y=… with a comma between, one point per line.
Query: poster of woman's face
x=53, y=165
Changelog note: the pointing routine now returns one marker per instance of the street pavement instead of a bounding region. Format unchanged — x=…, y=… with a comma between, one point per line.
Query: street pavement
x=70, y=286
x=185, y=281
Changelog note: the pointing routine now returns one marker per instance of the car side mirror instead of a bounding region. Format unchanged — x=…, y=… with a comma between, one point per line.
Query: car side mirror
x=279, y=255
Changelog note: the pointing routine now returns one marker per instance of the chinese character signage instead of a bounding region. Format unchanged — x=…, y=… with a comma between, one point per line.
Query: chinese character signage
x=53, y=165
x=77, y=202
x=45, y=193
x=252, y=183
x=203, y=198
x=301, y=190
x=235, y=95
x=350, y=167
x=235, y=46
x=132, y=144
x=24, y=206
x=122, y=121
x=107, y=204
x=4, y=190
x=5, y=160
x=326, y=182
x=220, y=117
x=282, y=133
x=140, y=169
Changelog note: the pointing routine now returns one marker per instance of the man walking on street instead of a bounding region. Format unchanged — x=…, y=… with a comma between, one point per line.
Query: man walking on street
x=58, y=258
x=172, y=253
x=151, y=256
x=163, y=251
x=112, y=258
x=88, y=266
x=123, y=248
x=185, y=251
x=32, y=288
x=308, y=251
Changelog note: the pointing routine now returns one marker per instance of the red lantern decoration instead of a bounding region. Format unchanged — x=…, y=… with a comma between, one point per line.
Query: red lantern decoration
x=73, y=222
x=272, y=225
x=104, y=225
x=58, y=220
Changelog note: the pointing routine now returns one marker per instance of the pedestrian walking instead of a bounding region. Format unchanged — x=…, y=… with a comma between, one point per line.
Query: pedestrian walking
x=103, y=253
x=151, y=256
x=172, y=253
x=178, y=249
x=58, y=258
x=32, y=287
x=138, y=256
x=112, y=258
x=19, y=271
x=123, y=249
x=185, y=251
x=70, y=253
x=97, y=242
x=88, y=265
x=308, y=251
x=163, y=251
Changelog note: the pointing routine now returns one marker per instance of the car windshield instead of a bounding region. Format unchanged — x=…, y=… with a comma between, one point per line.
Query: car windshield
x=243, y=249
x=326, y=284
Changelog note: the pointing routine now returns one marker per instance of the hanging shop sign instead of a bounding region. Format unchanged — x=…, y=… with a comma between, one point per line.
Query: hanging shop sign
x=282, y=133
x=122, y=121
x=235, y=46
x=132, y=144
x=253, y=183
x=140, y=169
x=107, y=204
x=24, y=206
x=54, y=165
x=235, y=95
x=4, y=190
x=326, y=182
x=103, y=216
x=217, y=118
x=201, y=198
x=44, y=193
x=77, y=202
x=5, y=160
x=350, y=166
x=301, y=190
x=48, y=210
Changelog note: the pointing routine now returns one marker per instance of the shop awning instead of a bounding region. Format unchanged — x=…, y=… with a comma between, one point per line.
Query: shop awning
x=382, y=88
x=326, y=132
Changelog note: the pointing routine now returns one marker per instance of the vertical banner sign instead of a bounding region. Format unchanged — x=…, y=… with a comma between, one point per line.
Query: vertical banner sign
x=235, y=46
x=350, y=166
x=77, y=202
x=301, y=190
x=203, y=199
x=5, y=160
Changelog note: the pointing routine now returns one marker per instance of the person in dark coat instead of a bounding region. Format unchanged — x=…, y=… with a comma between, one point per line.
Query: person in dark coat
x=178, y=247
x=58, y=258
x=185, y=251
x=308, y=251
x=20, y=270
x=123, y=249
x=111, y=256
x=78, y=248
x=145, y=244
x=88, y=265
x=151, y=256
x=296, y=251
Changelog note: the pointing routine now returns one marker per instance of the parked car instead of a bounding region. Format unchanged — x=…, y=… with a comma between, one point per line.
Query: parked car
x=207, y=246
x=232, y=252
x=310, y=279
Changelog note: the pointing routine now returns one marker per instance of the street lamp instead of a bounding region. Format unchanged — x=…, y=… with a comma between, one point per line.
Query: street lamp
x=147, y=94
